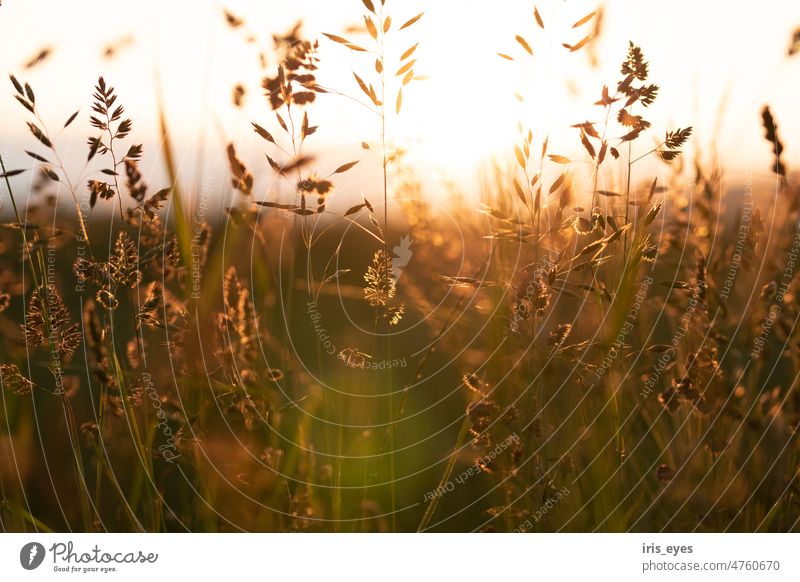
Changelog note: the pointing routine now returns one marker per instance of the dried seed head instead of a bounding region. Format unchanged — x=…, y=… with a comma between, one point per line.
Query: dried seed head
x=394, y=313
x=238, y=95
x=107, y=299
x=99, y=189
x=650, y=253
x=14, y=381
x=47, y=323
x=354, y=358
x=560, y=334
x=136, y=187
x=381, y=286
x=313, y=184
x=238, y=321
x=274, y=374
x=123, y=264
x=242, y=177
x=474, y=383
x=583, y=226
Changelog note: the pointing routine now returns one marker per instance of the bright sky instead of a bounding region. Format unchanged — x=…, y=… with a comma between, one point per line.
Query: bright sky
x=464, y=114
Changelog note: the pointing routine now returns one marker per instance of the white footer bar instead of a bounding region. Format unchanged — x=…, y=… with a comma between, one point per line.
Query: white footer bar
x=401, y=557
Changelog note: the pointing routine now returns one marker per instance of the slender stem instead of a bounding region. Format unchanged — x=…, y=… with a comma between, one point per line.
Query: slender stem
x=114, y=167
x=54, y=356
x=597, y=163
x=70, y=186
x=655, y=149
x=462, y=435
x=392, y=488
x=22, y=226
x=627, y=204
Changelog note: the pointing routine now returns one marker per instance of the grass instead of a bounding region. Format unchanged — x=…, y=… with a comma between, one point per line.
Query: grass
x=598, y=355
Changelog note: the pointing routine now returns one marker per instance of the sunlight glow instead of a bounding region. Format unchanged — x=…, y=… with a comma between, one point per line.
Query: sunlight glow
x=464, y=113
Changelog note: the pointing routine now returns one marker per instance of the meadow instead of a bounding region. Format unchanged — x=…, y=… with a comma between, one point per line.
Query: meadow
x=587, y=346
